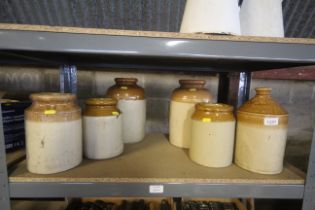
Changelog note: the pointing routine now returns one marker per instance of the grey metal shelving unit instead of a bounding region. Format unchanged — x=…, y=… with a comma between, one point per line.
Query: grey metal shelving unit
x=234, y=58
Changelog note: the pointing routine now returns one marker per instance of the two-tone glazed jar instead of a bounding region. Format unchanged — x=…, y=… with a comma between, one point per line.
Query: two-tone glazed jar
x=102, y=129
x=261, y=134
x=212, y=135
x=53, y=129
x=183, y=101
x=132, y=103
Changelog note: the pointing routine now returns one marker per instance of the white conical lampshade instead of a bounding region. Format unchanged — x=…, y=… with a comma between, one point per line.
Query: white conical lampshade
x=262, y=18
x=211, y=16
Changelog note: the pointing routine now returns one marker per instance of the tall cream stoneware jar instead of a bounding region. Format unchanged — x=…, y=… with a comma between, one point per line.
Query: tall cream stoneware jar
x=132, y=104
x=53, y=130
x=182, y=106
x=212, y=135
x=102, y=129
x=261, y=134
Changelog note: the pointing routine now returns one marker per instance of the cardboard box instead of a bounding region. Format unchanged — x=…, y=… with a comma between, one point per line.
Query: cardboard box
x=13, y=123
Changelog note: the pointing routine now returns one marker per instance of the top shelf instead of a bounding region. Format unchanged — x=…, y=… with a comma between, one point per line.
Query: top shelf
x=46, y=45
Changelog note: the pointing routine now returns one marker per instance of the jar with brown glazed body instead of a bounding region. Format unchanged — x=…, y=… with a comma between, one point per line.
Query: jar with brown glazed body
x=212, y=139
x=102, y=129
x=261, y=134
x=53, y=130
x=132, y=104
x=182, y=106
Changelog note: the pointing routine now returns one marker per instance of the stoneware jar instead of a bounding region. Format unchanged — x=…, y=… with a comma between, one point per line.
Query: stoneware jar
x=132, y=104
x=212, y=135
x=261, y=134
x=53, y=130
x=182, y=106
x=211, y=16
x=102, y=129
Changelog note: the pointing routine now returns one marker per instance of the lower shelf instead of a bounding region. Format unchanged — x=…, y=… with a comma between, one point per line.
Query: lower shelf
x=38, y=205
x=155, y=168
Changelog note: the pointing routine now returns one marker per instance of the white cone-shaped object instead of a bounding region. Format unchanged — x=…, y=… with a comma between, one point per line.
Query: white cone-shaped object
x=262, y=18
x=211, y=16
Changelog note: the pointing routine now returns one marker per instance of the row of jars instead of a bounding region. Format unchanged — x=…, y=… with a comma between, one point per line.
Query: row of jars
x=54, y=128
x=56, y=133
x=208, y=130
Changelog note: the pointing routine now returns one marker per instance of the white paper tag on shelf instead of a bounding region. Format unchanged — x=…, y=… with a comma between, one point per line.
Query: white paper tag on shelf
x=271, y=121
x=156, y=189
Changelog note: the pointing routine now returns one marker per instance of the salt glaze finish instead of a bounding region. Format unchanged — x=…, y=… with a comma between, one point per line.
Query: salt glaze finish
x=132, y=103
x=53, y=129
x=102, y=123
x=182, y=106
x=213, y=131
x=261, y=134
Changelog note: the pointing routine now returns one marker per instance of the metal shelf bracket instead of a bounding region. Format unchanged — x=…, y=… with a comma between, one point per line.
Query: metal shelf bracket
x=4, y=184
x=309, y=190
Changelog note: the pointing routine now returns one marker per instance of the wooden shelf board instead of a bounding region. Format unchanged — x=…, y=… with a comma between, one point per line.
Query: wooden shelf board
x=153, y=34
x=155, y=160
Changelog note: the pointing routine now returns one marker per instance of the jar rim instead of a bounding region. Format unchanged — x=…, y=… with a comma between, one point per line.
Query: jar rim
x=52, y=96
x=128, y=80
x=214, y=107
x=192, y=82
x=263, y=90
x=101, y=101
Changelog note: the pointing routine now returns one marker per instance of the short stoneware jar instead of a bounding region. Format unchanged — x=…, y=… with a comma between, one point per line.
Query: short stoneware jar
x=53, y=129
x=132, y=104
x=102, y=129
x=183, y=101
x=261, y=134
x=212, y=135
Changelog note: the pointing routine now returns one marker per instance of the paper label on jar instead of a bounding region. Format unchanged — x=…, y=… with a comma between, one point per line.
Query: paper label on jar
x=124, y=88
x=50, y=111
x=192, y=89
x=115, y=113
x=271, y=121
x=206, y=120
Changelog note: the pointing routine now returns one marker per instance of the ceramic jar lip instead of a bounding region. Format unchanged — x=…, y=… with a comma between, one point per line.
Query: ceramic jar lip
x=214, y=107
x=52, y=97
x=189, y=83
x=126, y=81
x=101, y=102
x=263, y=90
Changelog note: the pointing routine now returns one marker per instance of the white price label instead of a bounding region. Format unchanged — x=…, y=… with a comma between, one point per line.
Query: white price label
x=156, y=189
x=271, y=121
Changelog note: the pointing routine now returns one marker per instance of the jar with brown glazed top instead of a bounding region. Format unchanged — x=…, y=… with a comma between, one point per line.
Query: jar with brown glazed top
x=212, y=135
x=182, y=106
x=102, y=129
x=132, y=103
x=261, y=134
x=53, y=130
